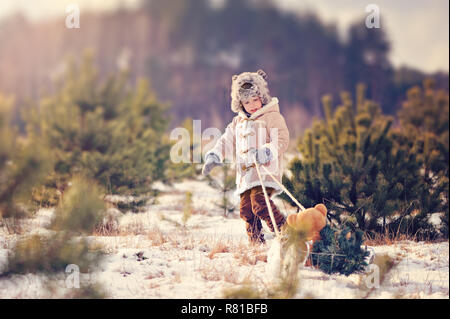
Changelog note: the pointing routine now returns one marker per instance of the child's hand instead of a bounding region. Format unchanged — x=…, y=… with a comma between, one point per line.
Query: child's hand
x=212, y=160
x=263, y=155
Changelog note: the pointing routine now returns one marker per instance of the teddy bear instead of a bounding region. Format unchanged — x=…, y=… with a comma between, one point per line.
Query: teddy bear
x=311, y=221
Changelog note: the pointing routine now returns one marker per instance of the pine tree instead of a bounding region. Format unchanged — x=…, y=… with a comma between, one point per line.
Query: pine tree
x=179, y=171
x=339, y=251
x=226, y=185
x=104, y=130
x=81, y=207
x=23, y=164
x=424, y=132
x=78, y=212
x=348, y=162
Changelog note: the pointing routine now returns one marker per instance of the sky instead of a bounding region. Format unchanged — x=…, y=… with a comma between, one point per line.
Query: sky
x=418, y=29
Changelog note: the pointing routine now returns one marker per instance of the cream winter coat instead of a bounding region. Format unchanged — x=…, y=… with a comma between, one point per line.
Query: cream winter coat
x=264, y=128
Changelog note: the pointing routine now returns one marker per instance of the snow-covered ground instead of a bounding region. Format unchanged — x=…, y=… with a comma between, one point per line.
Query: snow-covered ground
x=161, y=255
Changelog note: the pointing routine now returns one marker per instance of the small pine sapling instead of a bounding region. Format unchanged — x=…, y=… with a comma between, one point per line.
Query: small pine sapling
x=339, y=251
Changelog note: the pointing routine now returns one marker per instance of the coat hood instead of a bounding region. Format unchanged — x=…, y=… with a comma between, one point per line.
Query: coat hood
x=246, y=85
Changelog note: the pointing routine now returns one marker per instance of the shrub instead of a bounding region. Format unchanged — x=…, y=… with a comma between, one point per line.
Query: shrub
x=81, y=207
x=105, y=131
x=23, y=165
x=353, y=163
x=49, y=254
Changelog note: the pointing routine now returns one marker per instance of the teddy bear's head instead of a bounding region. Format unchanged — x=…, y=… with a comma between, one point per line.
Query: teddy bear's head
x=311, y=221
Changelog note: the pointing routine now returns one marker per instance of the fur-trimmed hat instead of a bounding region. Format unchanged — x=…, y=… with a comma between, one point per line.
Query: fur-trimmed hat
x=246, y=85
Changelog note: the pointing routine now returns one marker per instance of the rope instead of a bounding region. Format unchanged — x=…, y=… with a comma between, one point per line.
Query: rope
x=284, y=189
x=294, y=200
x=266, y=197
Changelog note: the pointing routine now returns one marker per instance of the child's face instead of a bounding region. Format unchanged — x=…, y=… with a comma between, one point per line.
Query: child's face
x=253, y=104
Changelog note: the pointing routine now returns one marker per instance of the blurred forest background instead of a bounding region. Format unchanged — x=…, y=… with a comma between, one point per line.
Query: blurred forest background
x=189, y=50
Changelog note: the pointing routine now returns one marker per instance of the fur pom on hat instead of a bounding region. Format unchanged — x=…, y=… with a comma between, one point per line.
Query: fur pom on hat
x=246, y=85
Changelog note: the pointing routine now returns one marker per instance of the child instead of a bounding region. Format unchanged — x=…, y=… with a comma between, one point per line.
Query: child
x=258, y=132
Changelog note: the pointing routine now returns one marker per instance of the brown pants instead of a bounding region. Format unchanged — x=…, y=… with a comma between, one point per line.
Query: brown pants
x=253, y=208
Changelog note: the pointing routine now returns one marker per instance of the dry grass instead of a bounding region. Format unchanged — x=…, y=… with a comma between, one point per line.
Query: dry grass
x=211, y=273
x=48, y=254
x=249, y=255
x=157, y=274
x=247, y=258
x=168, y=241
x=157, y=236
x=387, y=239
x=245, y=254
x=133, y=228
x=231, y=277
x=219, y=247
x=390, y=238
x=109, y=227
x=201, y=211
x=229, y=274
